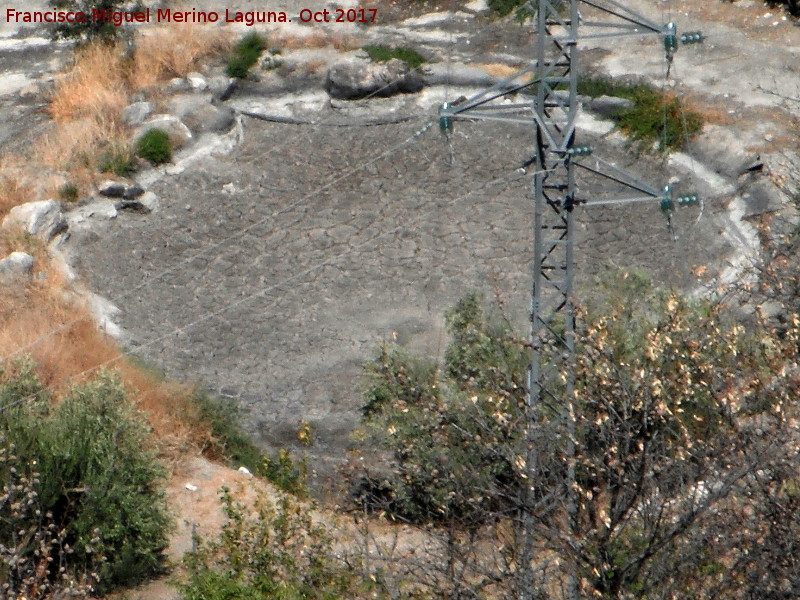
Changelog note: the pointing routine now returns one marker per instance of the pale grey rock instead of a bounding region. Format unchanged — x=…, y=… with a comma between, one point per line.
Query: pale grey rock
x=120, y=189
x=356, y=79
x=150, y=200
x=16, y=265
x=135, y=114
x=724, y=150
x=609, y=106
x=197, y=81
x=175, y=128
x=762, y=196
x=221, y=87
x=44, y=219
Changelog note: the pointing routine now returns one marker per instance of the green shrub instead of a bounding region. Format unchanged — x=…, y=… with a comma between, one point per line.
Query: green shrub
x=96, y=477
x=652, y=110
x=237, y=447
x=279, y=554
x=118, y=160
x=411, y=57
x=154, y=145
x=69, y=192
x=245, y=55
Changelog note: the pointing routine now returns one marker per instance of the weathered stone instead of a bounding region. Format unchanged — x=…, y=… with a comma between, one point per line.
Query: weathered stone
x=210, y=118
x=762, y=196
x=95, y=209
x=134, y=114
x=175, y=128
x=16, y=265
x=221, y=87
x=724, y=150
x=44, y=219
x=197, y=81
x=772, y=309
x=111, y=189
x=150, y=201
x=120, y=189
x=133, y=206
x=609, y=106
x=178, y=84
x=457, y=74
x=360, y=78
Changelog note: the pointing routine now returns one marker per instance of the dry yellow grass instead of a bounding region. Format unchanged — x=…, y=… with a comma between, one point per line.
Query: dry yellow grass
x=175, y=51
x=95, y=87
x=59, y=334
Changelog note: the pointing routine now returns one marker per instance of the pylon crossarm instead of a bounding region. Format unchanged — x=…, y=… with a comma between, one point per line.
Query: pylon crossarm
x=504, y=87
x=626, y=14
x=607, y=170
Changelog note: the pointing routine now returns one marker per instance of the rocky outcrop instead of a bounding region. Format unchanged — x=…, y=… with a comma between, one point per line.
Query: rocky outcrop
x=135, y=114
x=119, y=189
x=44, y=219
x=175, y=128
x=15, y=266
x=356, y=79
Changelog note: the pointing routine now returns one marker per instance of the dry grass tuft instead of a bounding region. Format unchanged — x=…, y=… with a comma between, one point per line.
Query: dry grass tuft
x=175, y=51
x=94, y=88
x=58, y=332
x=13, y=191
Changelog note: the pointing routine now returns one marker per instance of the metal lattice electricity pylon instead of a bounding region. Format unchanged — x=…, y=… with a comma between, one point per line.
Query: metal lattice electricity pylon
x=550, y=85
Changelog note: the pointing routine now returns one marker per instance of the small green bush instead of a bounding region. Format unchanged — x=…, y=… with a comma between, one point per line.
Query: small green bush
x=645, y=120
x=245, y=55
x=118, y=160
x=96, y=480
x=154, y=146
x=68, y=192
x=281, y=469
x=411, y=57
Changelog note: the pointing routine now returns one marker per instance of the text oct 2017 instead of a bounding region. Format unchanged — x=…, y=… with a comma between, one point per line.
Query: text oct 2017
x=339, y=15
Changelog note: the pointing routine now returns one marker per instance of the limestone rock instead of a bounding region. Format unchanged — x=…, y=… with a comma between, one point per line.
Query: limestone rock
x=724, y=150
x=16, y=265
x=197, y=81
x=609, y=106
x=355, y=79
x=44, y=219
x=762, y=196
x=134, y=114
x=221, y=87
x=119, y=189
x=210, y=118
x=175, y=128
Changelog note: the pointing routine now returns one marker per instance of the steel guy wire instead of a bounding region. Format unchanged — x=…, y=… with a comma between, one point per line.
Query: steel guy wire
x=507, y=178
x=184, y=261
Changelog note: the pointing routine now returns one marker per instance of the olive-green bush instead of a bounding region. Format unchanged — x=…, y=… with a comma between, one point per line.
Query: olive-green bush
x=92, y=472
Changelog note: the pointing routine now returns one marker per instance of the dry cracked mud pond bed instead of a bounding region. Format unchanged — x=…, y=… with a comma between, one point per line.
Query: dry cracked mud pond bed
x=281, y=254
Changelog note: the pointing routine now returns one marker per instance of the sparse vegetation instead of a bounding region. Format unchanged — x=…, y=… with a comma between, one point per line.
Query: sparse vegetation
x=155, y=146
x=118, y=160
x=655, y=118
x=69, y=192
x=270, y=551
x=245, y=55
x=229, y=442
x=411, y=57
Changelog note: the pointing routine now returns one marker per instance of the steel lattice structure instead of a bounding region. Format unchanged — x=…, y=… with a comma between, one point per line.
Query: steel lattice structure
x=551, y=83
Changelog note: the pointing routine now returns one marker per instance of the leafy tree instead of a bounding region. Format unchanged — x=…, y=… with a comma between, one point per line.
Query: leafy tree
x=673, y=401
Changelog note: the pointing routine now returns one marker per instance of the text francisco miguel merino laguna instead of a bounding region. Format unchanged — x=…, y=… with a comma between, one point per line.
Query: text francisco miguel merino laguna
x=161, y=15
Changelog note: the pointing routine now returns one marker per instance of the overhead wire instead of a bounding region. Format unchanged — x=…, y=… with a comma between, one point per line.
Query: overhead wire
x=508, y=178
x=237, y=234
